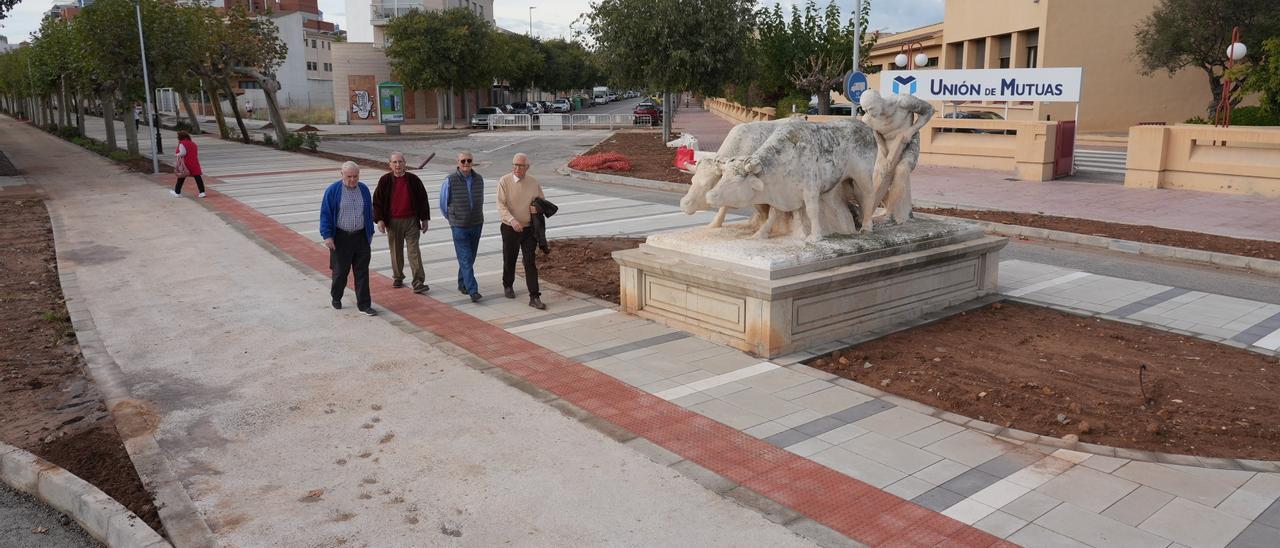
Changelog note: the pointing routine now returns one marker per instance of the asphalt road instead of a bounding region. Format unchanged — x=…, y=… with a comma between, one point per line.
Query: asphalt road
x=22, y=516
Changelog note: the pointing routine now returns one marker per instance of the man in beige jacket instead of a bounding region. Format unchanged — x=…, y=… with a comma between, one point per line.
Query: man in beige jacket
x=516, y=191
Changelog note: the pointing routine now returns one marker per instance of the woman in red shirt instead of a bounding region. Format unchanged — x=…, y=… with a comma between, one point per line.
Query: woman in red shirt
x=187, y=163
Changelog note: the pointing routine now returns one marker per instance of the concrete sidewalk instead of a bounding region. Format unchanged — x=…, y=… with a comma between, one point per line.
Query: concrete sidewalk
x=1232, y=215
x=289, y=423
x=778, y=425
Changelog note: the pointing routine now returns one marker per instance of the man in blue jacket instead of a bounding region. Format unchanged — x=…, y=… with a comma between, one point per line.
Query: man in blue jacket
x=462, y=203
x=346, y=224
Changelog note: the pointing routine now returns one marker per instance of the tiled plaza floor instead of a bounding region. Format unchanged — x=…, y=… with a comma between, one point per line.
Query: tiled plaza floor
x=877, y=468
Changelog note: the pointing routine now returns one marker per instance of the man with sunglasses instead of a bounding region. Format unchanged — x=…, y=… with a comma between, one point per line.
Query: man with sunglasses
x=516, y=192
x=462, y=203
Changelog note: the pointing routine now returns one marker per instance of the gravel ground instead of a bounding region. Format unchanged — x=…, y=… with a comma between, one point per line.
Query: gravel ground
x=22, y=516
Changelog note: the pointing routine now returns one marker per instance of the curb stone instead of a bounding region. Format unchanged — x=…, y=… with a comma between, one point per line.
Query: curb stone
x=101, y=516
x=1212, y=258
x=623, y=181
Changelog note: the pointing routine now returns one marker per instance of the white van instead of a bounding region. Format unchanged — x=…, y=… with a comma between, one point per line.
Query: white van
x=600, y=95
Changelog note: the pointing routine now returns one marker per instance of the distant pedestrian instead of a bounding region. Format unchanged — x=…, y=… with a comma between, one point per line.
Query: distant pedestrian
x=137, y=115
x=401, y=210
x=248, y=107
x=346, y=224
x=516, y=193
x=462, y=203
x=186, y=163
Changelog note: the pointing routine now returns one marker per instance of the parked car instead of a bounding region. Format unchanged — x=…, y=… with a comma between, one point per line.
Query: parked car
x=975, y=115
x=481, y=117
x=522, y=107
x=600, y=99
x=507, y=108
x=562, y=105
x=546, y=106
x=837, y=109
x=648, y=109
x=612, y=96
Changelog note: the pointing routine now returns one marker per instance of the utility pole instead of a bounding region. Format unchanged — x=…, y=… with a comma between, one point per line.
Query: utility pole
x=531, y=8
x=857, y=34
x=146, y=90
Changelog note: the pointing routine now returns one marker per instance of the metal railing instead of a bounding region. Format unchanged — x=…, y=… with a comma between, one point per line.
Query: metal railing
x=384, y=11
x=511, y=120
x=553, y=122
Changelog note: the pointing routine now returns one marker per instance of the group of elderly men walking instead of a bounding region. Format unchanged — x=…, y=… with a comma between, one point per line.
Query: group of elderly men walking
x=399, y=207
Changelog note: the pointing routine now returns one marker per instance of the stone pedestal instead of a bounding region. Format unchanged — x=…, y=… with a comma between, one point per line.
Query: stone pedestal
x=781, y=295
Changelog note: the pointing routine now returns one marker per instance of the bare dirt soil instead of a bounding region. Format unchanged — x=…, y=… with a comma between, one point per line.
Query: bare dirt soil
x=1055, y=374
x=585, y=265
x=48, y=404
x=1261, y=249
x=649, y=155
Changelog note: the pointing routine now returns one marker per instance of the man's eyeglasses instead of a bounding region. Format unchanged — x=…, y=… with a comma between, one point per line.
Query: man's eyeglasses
x=465, y=161
x=520, y=165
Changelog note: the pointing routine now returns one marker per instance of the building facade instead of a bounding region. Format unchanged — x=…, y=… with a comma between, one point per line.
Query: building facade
x=1097, y=35
x=359, y=66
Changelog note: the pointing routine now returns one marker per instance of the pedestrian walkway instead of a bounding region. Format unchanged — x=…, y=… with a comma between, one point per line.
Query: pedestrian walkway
x=848, y=456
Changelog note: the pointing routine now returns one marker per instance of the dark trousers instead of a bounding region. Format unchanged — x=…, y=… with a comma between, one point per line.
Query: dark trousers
x=177, y=188
x=523, y=243
x=352, y=253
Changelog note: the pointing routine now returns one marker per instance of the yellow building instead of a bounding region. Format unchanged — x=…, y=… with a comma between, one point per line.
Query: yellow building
x=1097, y=35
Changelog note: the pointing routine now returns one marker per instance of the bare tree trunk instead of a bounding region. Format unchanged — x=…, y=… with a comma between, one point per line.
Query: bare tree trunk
x=191, y=114
x=824, y=102
x=109, y=117
x=216, y=103
x=666, y=117
x=1215, y=88
x=235, y=109
x=466, y=105
x=64, y=108
x=130, y=129
x=453, y=122
x=269, y=86
x=80, y=113
x=439, y=109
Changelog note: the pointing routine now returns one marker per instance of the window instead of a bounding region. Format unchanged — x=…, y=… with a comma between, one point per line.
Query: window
x=1004, y=62
x=249, y=84
x=313, y=43
x=311, y=65
x=1031, y=56
x=328, y=67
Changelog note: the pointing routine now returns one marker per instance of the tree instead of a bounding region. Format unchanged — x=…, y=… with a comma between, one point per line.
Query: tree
x=811, y=53
x=442, y=50
x=108, y=31
x=520, y=60
x=256, y=51
x=1181, y=34
x=568, y=66
x=657, y=44
x=1263, y=77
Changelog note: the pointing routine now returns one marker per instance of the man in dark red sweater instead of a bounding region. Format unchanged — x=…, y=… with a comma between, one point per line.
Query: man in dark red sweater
x=401, y=210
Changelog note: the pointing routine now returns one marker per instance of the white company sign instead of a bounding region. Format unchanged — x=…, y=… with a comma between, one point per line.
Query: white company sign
x=1039, y=84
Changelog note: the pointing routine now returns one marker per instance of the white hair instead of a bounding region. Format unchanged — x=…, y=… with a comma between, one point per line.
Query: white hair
x=396, y=153
x=520, y=155
x=350, y=165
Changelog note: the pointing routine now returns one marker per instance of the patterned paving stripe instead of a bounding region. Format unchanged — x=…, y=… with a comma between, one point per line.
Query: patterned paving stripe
x=712, y=382
x=628, y=347
x=848, y=506
x=554, y=314
x=1265, y=334
x=1047, y=284
x=543, y=324
x=1136, y=307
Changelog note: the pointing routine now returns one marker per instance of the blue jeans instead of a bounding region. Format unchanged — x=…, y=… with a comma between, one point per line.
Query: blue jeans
x=466, y=242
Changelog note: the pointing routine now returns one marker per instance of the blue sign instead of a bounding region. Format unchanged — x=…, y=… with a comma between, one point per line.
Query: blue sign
x=854, y=85
x=908, y=81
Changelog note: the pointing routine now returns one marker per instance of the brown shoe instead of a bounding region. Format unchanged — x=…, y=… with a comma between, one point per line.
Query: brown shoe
x=537, y=303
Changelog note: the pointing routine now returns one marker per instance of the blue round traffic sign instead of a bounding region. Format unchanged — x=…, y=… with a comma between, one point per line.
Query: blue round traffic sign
x=854, y=84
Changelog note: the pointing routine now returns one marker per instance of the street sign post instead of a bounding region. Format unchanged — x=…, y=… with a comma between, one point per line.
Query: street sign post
x=391, y=106
x=854, y=84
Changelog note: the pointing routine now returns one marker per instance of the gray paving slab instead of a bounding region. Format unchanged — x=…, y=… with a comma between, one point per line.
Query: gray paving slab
x=942, y=471
x=938, y=499
x=896, y=422
x=969, y=447
x=1192, y=524
x=1087, y=488
x=1006, y=464
x=1256, y=535
x=862, y=411
x=1148, y=302
x=858, y=467
x=1039, y=537
x=909, y=487
x=1094, y=530
x=896, y=454
x=969, y=482
x=1031, y=506
x=1000, y=524
x=1271, y=516
x=831, y=400
x=1201, y=489
x=1138, y=505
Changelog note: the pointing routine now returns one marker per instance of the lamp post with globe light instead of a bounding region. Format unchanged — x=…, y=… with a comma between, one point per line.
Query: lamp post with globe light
x=1235, y=52
x=905, y=59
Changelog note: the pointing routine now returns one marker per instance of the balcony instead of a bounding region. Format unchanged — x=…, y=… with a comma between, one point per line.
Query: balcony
x=380, y=13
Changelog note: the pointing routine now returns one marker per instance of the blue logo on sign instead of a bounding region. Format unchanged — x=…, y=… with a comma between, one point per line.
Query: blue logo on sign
x=909, y=81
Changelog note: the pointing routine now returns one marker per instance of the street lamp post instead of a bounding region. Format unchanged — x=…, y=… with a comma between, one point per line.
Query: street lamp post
x=146, y=90
x=909, y=61
x=1235, y=52
x=531, y=8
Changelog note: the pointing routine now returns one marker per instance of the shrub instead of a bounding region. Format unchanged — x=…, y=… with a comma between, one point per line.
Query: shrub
x=799, y=101
x=268, y=140
x=1198, y=120
x=608, y=161
x=311, y=140
x=292, y=141
x=119, y=156
x=1253, y=116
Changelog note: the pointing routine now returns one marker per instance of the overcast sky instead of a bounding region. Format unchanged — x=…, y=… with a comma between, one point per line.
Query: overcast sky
x=551, y=18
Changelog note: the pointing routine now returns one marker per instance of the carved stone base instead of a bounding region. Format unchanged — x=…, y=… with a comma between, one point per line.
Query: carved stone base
x=777, y=296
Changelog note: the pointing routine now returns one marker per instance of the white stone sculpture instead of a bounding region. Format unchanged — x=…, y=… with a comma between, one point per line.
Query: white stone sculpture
x=896, y=121
x=742, y=140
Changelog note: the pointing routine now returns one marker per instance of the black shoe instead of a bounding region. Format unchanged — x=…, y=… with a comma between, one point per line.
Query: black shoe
x=475, y=297
x=422, y=289
x=369, y=311
x=397, y=284
x=509, y=292
x=462, y=290
x=537, y=303
x=337, y=305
